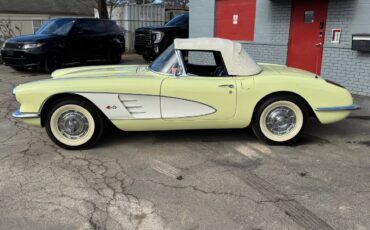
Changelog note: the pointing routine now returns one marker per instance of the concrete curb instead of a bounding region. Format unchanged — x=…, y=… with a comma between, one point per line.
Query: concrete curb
x=364, y=102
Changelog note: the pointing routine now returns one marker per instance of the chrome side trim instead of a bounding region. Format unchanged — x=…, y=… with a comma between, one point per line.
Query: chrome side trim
x=339, y=108
x=17, y=114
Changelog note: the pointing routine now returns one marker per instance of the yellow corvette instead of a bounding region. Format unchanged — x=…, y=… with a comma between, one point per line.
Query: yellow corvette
x=202, y=83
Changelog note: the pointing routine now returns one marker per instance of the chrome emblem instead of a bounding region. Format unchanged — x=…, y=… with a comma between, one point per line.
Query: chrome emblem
x=111, y=107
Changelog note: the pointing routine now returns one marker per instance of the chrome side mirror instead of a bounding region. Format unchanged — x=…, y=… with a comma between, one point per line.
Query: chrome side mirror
x=178, y=72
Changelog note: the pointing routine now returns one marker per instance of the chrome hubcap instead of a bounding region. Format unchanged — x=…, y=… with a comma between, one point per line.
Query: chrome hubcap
x=281, y=120
x=73, y=124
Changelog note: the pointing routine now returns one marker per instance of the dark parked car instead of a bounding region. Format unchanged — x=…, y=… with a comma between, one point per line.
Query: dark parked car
x=65, y=40
x=150, y=42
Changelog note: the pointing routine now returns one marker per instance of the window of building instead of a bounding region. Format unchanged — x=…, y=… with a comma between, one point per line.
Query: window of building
x=36, y=24
x=309, y=16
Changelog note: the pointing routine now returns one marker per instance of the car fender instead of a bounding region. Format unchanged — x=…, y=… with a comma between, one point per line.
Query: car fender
x=316, y=92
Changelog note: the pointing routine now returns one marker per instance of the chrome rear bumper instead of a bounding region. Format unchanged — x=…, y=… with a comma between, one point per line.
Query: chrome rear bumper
x=18, y=114
x=339, y=108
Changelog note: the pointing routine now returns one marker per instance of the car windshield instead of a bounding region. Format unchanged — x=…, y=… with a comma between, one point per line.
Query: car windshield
x=182, y=20
x=166, y=63
x=56, y=27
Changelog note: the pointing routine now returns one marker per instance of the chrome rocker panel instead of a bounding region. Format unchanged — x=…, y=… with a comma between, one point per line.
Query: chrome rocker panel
x=339, y=108
x=17, y=114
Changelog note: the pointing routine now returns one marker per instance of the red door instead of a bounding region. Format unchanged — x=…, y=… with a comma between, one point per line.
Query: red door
x=235, y=19
x=307, y=34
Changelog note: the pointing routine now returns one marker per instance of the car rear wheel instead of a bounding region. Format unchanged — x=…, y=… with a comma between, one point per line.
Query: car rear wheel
x=74, y=124
x=280, y=120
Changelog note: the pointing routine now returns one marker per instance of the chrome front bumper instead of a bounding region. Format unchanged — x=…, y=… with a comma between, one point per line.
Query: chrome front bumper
x=18, y=114
x=339, y=108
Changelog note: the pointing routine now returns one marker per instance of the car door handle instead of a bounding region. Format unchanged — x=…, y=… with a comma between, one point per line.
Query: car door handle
x=224, y=86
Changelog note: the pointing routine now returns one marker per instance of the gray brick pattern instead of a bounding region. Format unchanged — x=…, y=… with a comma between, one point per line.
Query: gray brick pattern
x=202, y=18
x=267, y=53
x=349, y=68
x=280, y=17
x=340, y=63
x=271, y=32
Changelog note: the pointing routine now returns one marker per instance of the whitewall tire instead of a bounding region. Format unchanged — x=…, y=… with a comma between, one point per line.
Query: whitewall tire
x=280, y=120
x=74, y=124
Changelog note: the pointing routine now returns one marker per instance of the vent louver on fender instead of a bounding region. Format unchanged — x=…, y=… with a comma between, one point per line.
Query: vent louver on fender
x=141, y=106
x=132, y=106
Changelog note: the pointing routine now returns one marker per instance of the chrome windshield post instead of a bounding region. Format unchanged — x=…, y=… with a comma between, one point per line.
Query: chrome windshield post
x=181, y=64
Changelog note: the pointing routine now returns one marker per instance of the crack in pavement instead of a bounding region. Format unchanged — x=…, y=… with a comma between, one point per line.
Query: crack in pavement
x=292, y=208
x=196, y=189
x=96, y=183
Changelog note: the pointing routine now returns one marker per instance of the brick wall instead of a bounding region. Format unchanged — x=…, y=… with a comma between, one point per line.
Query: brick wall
x=267, y=53
x=202, y=18
x=271, y=32
x=340, y=63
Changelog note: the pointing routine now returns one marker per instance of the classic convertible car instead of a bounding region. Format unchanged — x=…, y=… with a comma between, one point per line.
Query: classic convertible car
x=203, y=83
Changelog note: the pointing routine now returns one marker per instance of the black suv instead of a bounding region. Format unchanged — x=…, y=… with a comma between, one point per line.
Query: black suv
x=65, y=40
x=152, y=41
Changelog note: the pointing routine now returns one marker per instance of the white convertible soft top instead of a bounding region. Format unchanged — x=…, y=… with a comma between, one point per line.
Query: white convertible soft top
x=236, y=59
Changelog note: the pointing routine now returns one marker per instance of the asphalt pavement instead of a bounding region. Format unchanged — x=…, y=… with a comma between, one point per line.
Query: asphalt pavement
x=210, y=179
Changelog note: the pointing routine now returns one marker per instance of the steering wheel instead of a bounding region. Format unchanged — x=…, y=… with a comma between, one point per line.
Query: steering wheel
x=220, y=71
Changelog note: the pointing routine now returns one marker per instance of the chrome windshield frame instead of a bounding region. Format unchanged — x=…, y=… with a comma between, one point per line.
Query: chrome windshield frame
x=181, y=65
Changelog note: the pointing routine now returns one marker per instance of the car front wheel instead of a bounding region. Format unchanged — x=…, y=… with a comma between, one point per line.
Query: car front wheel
x=114, y=57
x=53, y=62
x=280, y=120
x=74, y=124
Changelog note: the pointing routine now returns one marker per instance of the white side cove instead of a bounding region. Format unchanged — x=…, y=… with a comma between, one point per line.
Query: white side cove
x=135, y=106
x=177, y=108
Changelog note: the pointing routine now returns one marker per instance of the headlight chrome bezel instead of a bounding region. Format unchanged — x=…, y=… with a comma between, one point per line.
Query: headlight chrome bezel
x=32, y=45
x=158, y=36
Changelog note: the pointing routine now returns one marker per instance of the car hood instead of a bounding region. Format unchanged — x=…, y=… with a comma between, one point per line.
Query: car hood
x=31, y=38
x=101, y=71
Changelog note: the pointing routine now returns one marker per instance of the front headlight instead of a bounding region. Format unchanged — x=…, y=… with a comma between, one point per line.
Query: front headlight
x=32, y=45
x=3, y=46
x=157, y=36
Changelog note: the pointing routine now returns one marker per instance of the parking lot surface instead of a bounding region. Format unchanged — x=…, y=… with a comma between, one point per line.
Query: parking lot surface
x=210, y=179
